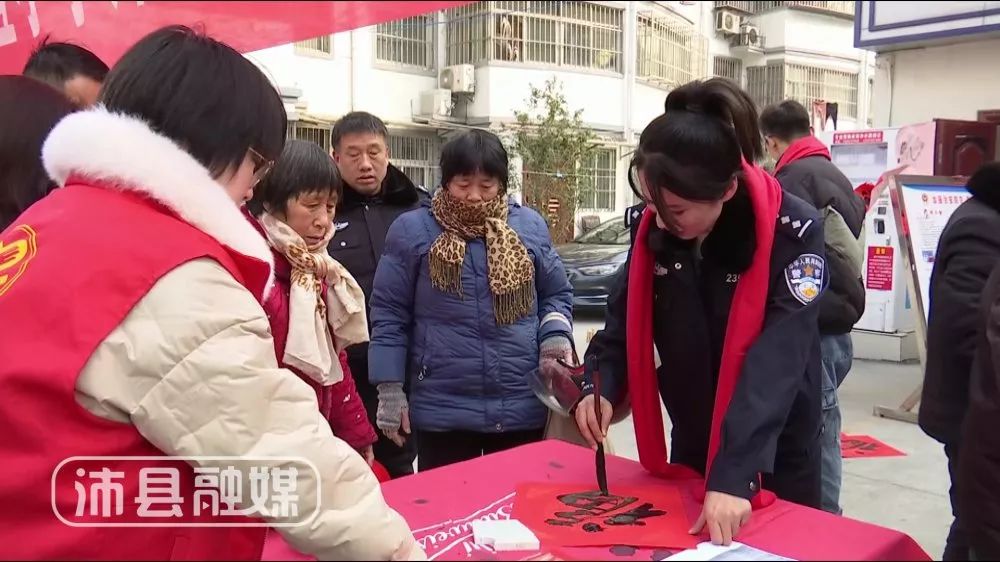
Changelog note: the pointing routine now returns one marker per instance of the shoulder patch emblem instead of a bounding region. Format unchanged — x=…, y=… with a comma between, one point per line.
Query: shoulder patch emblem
x=338, y=226
x=804, y=277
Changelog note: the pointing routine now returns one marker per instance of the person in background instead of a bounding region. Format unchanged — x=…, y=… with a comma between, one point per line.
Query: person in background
x=967, y=252
x=469, y=300
x=28, y=111
x=804, y=169
x=978, y=475
x=70, y=69
x=375, y=193
x=724, y=278
x=167, y=351
x=316, y=308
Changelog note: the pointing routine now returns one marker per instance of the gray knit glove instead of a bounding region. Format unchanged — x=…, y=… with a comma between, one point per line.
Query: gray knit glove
x=553, y=383
x=393, y=415
x=555, y=348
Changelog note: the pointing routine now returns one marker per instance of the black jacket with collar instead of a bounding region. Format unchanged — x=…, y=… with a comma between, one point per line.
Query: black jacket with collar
x=773, y=422
x=362, y=223
x=819, y=182
x=967, y=252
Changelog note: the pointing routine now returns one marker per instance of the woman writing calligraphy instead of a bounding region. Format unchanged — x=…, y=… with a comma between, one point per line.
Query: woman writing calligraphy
x=723, y=277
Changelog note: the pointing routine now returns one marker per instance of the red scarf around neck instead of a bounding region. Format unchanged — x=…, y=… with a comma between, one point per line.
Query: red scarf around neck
x=746, y=319
x=802, y=148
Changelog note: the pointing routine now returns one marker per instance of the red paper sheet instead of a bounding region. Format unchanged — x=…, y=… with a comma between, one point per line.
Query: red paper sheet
x=571, y=515
x=866, y=446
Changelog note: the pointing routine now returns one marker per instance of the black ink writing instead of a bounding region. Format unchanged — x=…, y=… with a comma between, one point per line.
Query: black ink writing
x=595, y=505
x=635, y=516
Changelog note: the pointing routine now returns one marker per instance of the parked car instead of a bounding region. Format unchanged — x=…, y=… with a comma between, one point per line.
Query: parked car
x=593, y=261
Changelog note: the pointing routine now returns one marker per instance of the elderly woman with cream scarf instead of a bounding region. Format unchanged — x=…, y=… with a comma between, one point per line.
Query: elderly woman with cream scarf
x=315, y=306
x=470, y=303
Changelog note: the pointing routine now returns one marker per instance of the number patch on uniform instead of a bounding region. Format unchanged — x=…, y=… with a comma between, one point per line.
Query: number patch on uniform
x=805, y=277
x=732, y=278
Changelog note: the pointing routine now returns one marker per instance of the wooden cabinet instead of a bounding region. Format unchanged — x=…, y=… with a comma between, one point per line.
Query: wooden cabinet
x=963, y=146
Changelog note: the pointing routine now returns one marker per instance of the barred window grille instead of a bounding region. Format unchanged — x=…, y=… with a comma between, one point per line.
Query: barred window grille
x=418, y=157
x=728, y=67
x=322, y=45
x=408, y=42
x=808, y=83
x=670, y=52
x=840, y=8
x=578, y=34
x=766, y=84
x=601, y=173
x=318, y=133
x=467, y=34
x=804, y=84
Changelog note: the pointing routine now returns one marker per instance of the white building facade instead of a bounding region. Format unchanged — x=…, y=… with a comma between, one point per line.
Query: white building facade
x=473, y=67
x=935, y=60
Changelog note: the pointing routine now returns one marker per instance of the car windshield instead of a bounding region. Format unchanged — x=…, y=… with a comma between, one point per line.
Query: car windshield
x=608, y=232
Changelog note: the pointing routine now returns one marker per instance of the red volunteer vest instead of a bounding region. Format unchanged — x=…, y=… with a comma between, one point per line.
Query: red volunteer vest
x=71, y=269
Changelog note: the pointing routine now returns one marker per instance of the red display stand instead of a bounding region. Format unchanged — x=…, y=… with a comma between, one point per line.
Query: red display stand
x=439, y=503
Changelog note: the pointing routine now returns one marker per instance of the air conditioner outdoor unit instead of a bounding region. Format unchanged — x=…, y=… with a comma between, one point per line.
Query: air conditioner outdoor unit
x=435, y=103
x=727, y=22
x=752, y=36
x=460, y=79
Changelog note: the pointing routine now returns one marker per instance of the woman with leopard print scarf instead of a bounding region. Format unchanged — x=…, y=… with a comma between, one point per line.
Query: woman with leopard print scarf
x=470, y=302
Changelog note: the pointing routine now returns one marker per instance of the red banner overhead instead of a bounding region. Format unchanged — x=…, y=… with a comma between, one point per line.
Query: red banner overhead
x=110, y=28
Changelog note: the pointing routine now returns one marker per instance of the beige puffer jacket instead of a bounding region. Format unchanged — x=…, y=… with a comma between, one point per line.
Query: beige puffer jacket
x=193, y=366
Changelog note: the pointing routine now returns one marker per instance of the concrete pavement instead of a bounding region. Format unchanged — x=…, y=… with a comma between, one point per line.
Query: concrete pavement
x=909, y=494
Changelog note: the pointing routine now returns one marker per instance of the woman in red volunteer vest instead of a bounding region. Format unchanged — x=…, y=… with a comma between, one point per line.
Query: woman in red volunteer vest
x=162, y=347
x=316, y=309
x=723, y=278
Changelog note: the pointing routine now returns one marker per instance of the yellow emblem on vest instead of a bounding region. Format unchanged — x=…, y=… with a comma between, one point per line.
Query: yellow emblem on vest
x=17, y=248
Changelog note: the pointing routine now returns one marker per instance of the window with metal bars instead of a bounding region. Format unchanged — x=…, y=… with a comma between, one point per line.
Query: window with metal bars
x=670, y=52
x=766, y=84
x=408, y=42
x=728, y=67
x=313, y=132
x=840, y=8
x=578, y=34
x=806, y=84
x=317, y=46
x=599, y=192
x=418, y=157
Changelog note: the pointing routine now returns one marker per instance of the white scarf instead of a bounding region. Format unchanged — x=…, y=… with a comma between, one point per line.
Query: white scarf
x=312, y=314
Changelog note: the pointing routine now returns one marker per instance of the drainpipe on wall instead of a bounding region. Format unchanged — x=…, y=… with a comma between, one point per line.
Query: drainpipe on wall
x=352, y=95
x=629, y=52
x=629, y=47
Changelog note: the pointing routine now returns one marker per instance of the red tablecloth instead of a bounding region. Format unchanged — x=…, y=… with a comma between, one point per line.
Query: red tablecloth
x=476, y=487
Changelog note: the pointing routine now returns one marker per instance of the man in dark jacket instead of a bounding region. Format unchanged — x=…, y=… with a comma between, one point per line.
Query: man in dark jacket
x=804, y=169
x=968, y=250
x=375, y=193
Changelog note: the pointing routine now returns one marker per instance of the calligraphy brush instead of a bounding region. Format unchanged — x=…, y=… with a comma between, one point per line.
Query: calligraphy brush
x=602, y=473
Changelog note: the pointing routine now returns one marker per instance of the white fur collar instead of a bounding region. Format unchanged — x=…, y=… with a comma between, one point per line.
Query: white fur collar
x=100, y=145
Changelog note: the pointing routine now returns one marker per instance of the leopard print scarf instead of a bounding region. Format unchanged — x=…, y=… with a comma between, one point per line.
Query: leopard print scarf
x=511, y=271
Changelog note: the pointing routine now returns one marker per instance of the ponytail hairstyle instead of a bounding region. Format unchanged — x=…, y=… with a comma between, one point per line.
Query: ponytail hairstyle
x=697, y=147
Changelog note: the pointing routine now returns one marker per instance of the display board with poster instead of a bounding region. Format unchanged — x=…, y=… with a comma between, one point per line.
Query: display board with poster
x=925, y=203
x=922, y=206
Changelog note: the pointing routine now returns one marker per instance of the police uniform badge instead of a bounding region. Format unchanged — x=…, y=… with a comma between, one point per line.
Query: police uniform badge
x=805, y=277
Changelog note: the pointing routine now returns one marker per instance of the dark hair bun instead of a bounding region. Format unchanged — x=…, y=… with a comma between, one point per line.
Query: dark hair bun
x=724, y=100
